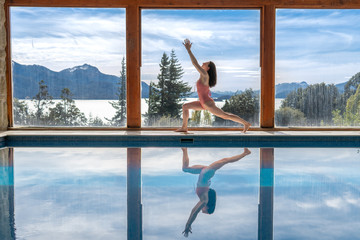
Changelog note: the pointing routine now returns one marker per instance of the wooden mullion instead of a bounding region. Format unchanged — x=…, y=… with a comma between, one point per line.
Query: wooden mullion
x=133, y=57
x=267, y=101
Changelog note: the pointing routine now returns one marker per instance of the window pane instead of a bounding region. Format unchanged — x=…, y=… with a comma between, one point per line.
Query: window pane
x=68, y=66
x=229, y=38
x=317, y=67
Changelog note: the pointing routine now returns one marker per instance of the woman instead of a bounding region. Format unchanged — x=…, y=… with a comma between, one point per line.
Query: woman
x=206, y=195
x=206, y=80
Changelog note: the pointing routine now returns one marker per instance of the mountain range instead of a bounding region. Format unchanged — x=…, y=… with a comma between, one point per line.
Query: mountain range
x=87, y=82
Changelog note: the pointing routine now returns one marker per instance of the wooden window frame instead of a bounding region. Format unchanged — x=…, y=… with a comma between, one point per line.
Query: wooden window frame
x=133, y=50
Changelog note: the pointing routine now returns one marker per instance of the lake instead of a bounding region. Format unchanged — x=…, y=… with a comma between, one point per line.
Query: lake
x=103, y=109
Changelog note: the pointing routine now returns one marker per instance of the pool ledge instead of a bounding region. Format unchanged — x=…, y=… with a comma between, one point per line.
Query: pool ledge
x=173, y=139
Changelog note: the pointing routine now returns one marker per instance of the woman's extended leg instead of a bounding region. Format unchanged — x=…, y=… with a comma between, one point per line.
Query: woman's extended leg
x=195, y=169
x=210, y=105
x=191, y=105
x=218, y=164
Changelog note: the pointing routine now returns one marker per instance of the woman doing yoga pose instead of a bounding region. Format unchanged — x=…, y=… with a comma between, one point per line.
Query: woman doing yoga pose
x=206, y=80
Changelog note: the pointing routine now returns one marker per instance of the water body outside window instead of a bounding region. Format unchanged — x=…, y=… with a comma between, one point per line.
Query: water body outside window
x=229, y=38
x=317, y=67
x=68, y=66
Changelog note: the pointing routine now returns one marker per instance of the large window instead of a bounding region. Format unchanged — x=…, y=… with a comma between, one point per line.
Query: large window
x=317, y=67
x=229, y=38
x=68, y=66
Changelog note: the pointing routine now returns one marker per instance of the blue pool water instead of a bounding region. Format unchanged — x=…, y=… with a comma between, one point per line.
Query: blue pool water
x=143, y=193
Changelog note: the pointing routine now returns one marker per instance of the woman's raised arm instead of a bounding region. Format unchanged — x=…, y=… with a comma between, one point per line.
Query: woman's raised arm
x=187, y=45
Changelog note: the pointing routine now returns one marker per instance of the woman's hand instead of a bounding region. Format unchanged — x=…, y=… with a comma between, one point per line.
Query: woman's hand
x=187, y=230
x=187, y=44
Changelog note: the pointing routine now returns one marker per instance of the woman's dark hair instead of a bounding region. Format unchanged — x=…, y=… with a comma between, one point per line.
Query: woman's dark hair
x=212, y=74
x=211, y=201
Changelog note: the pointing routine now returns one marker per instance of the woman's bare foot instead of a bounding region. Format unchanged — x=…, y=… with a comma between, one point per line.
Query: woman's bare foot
x=246, y=127
x=247, y=151
x=182, y=129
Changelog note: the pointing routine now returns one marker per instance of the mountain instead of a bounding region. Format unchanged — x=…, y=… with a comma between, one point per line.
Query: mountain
x=283, y=89
x=144, y=90
x=340, y=87
x=87, y=82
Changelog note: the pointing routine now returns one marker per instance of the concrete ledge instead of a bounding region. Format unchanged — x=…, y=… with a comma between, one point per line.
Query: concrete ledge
x=172, y=139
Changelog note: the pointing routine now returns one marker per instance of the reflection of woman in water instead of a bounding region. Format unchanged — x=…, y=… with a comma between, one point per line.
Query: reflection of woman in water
x=206, y=195
x=207, y=79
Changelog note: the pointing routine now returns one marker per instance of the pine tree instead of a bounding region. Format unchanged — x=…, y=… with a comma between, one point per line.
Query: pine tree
x=154, y=97
x=161, y=86
x=65, y=113
x=166, y=94
x=42, y=100
x=120, y=105
x=317, y=102
x=176, y=89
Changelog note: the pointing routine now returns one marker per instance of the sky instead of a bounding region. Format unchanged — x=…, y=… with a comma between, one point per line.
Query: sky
x=311, y=45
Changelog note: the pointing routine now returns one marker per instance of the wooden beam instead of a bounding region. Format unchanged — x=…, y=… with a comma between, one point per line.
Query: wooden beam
x=267, y=101
x=72, y=3
x=190, y=3
x=133, y=52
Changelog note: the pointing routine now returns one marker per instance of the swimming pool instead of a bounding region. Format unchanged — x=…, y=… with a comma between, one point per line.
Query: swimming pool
x=143, y=193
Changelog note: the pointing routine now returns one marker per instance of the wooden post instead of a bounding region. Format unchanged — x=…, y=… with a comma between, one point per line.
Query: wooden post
x=10, y=121
x=133, y=93
x=134, y=207
x=266, y=202
x=267, y=102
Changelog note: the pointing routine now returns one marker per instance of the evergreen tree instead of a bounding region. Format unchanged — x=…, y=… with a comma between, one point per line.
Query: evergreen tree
x=154, y=97
x=352, y=114
x=287, y=116
x=42, y=100
x=245, y=105
x=120, y=115
x=161, y=86
x=166, y=94
x=176, y=89
x=349, y=90
x=65, y=113
x=317, y=102
x=22, y=114
x=95, y=121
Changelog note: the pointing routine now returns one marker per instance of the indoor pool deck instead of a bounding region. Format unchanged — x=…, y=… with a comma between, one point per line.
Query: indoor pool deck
x=152, y=138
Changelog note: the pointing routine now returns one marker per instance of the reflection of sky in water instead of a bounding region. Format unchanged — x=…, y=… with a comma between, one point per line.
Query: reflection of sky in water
x=317, y=194
x=70, y=193
x=81, y=194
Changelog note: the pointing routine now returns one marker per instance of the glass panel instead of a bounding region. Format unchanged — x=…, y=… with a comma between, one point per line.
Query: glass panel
x=317, y=67
x=229, y=38
x=68, y=66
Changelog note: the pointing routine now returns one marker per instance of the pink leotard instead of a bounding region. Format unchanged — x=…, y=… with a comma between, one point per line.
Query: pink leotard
x=203, y=93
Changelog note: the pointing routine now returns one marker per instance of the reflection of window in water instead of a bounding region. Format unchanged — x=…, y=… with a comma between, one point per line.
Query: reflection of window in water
x=207, y=195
